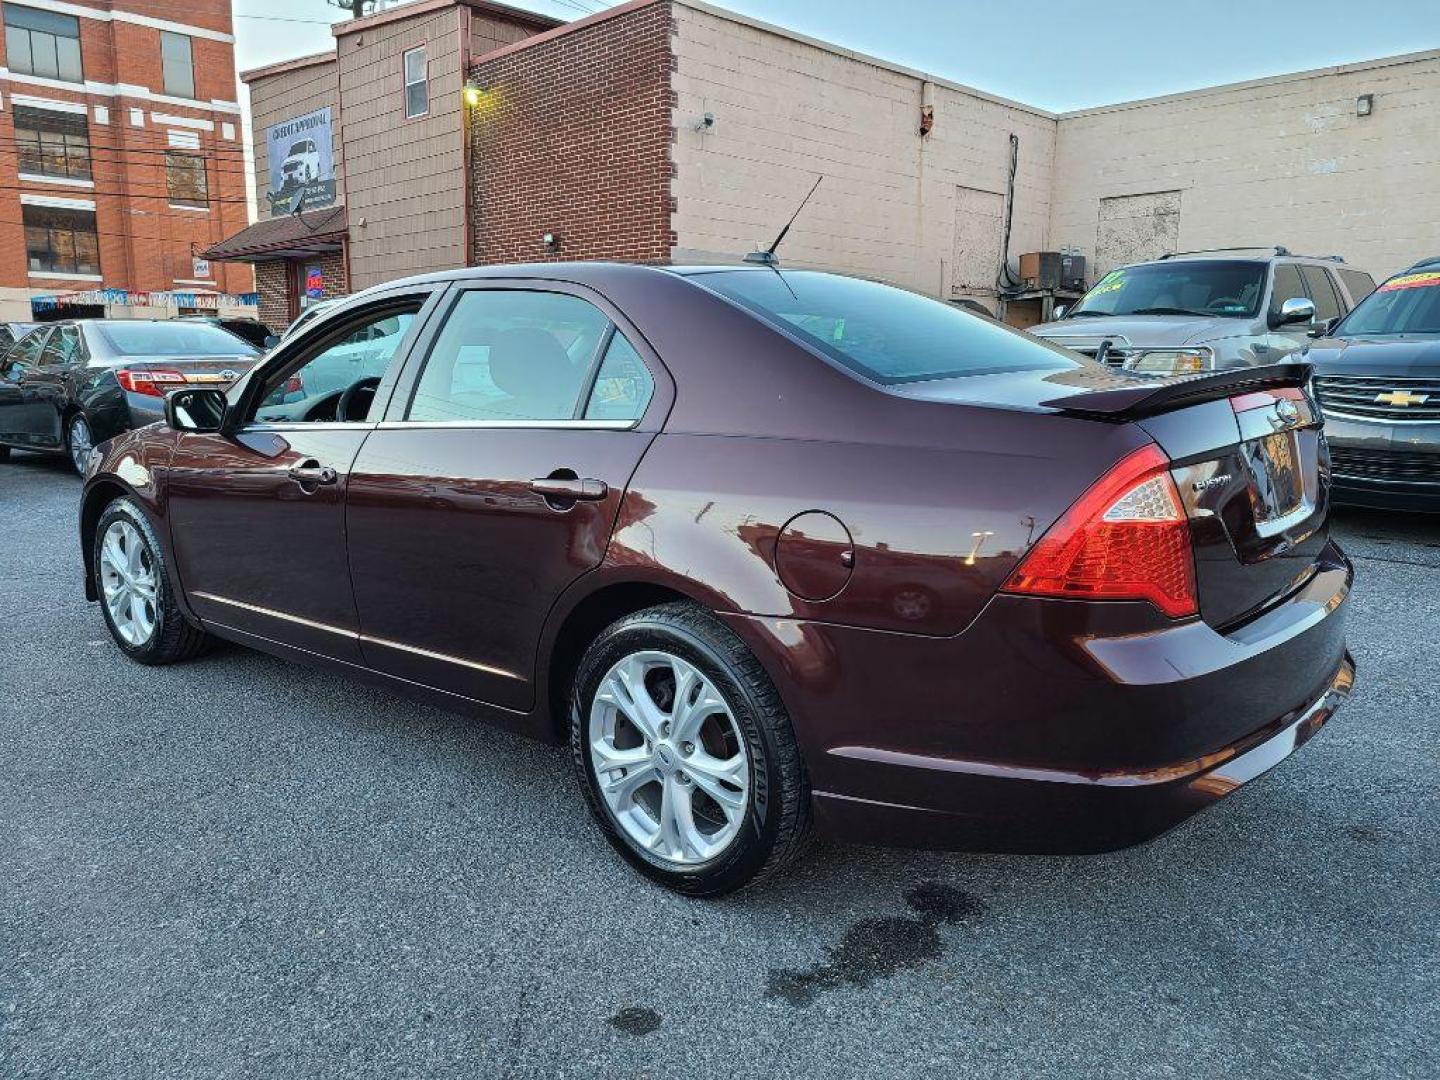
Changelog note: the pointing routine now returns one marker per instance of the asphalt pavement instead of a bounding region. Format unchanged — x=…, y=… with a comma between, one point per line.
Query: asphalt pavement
x=241, y=868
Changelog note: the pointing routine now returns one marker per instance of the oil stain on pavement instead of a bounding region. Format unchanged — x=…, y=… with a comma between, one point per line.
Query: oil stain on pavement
x=635, y=1020
x=877, y=948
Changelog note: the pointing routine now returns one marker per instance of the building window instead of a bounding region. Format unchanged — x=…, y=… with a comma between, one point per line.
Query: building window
x=176, y=65
x=60, y=240
x=43, y=43
x=417, y=93
x=185, y=179
x=51, y=143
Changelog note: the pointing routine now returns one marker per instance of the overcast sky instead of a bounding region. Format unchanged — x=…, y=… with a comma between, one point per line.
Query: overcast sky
x=1055, y=55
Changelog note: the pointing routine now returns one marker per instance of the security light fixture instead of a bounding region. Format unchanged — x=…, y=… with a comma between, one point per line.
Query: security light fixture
x=473, y=93
x=1364, y=104
x=705, y=123
x=551, y=241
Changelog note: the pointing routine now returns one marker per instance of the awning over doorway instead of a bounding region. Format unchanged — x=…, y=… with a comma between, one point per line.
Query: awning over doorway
x=294, y=236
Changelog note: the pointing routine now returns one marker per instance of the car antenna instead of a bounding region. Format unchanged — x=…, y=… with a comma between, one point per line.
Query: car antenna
x=768, y=256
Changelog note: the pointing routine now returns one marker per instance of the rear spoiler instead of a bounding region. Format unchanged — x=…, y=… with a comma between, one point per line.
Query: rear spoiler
x=1149, y=398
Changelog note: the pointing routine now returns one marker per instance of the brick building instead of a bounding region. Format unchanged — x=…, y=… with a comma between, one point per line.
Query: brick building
x=676, y=130
x=121, y=158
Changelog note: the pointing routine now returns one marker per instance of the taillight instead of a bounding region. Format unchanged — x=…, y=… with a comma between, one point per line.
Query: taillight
x=153, y=382
x=1127, y=538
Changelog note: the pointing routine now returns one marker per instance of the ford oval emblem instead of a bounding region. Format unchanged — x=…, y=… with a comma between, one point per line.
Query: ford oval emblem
x=228, y=374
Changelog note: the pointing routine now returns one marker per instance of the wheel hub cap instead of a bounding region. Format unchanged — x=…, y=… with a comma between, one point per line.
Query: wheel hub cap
x=669, y=758
x=127, y=582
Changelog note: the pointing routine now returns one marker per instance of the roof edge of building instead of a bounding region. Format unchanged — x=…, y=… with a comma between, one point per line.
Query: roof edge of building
x=1396, y=60
x=864, y=58
x=564, y=28
x=426, y=7
x=281, y=66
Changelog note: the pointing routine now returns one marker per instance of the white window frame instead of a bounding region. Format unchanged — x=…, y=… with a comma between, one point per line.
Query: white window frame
x=424, y=81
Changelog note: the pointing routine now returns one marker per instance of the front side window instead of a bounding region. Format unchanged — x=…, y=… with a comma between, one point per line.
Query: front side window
x=1406, y=304
x=358, y=357
x=51, y=143
x=510, y=355
x=60, y=240
x=185, y=179
x=27, y=350
x=883, y=333
x=1229, y=288
x=1288, y=286
x=417, y=93
x=43, y=43
x=177, y=67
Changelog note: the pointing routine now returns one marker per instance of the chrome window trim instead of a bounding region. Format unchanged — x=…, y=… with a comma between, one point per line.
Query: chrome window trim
x=303, y=425
x=258, y=610
x=591, y=425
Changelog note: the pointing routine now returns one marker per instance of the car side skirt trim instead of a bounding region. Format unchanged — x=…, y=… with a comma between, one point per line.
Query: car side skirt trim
x=351, y=635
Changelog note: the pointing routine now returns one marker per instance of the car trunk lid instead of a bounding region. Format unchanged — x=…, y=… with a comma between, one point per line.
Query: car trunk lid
x=1250, y=463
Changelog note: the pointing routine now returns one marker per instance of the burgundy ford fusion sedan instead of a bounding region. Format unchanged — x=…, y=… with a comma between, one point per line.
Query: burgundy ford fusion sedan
x=769, y=549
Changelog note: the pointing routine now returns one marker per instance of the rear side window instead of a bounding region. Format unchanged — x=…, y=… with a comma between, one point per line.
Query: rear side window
x=622, y=386
x=1327, y=304
x=1359, y=284
x=27, y=349
x=510, y=355
x=885, y=334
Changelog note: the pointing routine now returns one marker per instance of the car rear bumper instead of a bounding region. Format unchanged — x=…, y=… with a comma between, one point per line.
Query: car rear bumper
x=1053, y=725
x=1040, y=812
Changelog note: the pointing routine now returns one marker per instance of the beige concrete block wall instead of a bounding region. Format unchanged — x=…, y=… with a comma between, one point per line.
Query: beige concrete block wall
x=1283, y=160
x=787, y=109
x=404, y=177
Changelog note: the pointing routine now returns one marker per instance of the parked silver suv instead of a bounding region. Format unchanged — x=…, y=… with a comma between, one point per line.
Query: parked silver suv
x=1202, y=310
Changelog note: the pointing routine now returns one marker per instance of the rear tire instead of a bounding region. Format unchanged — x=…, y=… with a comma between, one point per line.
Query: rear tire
x=716, y=797
x=79, y=441
x=136, y=598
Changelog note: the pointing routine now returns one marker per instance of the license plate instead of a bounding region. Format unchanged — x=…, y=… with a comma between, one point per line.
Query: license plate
x=1279, y=487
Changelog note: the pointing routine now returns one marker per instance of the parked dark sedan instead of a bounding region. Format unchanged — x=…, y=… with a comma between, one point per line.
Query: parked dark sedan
x=251, y=331
x=1377, y=376
x=67, y=386
x=767, y=548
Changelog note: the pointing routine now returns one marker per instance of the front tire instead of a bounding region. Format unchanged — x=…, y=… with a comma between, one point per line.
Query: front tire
x=686, y=754
x=136, y=597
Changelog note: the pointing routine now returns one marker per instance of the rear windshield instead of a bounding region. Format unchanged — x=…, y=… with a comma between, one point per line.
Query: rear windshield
x=1229, y=288
x=171, y=339
x=1407, y=304
x=886, y=334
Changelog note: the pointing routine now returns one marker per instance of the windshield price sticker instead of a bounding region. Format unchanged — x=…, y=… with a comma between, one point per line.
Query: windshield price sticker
x=1429, y=279
x=1111, y=282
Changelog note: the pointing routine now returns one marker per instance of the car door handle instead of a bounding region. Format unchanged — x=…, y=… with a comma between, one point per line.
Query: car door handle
x=563, y=488
x=312, y=472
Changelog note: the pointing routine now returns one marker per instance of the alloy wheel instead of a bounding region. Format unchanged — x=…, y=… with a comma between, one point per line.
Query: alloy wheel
x=127, y=580
x=669, y=758
x=81, y=443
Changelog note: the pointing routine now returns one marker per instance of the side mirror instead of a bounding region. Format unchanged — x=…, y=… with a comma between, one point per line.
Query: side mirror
x=1297, y=309
x=271, y=341
x=1326, y=328
x=1059, y=311
x=199, y=410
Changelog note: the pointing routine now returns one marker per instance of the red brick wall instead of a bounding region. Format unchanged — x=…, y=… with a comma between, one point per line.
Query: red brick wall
x=145, y=244
x=278, y=290
x=573, y=138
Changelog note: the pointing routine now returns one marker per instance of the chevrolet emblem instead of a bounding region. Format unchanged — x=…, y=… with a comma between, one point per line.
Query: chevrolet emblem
x=1402, y=398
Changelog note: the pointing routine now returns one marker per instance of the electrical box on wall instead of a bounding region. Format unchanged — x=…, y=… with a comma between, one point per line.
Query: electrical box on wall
x=1053, y=270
